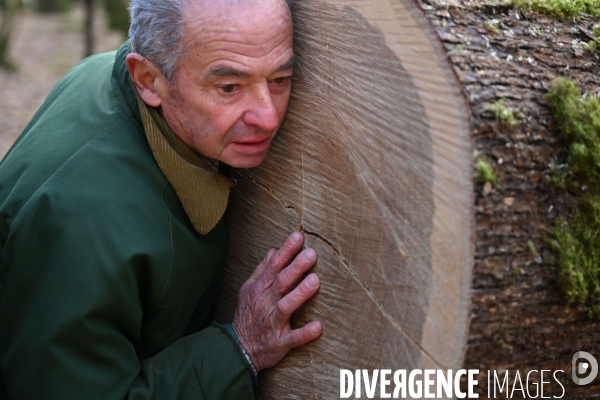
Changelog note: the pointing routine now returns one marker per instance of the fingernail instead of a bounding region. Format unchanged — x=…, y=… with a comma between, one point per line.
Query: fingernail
x=309, y=254
x=314, y=329
x=312, y=281
x=296, y=237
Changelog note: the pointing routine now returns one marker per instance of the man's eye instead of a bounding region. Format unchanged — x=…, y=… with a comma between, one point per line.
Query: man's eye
x=228, y=88
x=281, y=80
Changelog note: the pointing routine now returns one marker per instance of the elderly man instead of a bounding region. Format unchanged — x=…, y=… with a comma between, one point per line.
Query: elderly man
x=111, y=230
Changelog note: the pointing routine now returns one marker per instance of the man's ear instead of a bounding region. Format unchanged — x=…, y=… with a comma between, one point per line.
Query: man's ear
x=147, y=79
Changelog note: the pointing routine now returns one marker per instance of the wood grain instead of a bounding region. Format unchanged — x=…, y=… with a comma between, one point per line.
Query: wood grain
x=373, y=164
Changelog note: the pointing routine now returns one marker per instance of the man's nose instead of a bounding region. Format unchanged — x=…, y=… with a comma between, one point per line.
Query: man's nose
x=262, y=112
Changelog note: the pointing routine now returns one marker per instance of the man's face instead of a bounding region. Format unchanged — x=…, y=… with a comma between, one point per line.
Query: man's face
x=232, y=85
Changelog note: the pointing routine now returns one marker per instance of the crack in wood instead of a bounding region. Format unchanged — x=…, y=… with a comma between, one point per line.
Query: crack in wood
x=275, y=196
x=344, y=262
x=370, y=294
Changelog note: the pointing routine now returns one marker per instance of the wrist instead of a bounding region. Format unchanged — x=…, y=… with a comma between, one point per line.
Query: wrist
x=249, y=364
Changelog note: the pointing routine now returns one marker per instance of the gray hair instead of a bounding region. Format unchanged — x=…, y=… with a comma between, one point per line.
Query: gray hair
x=156, y=30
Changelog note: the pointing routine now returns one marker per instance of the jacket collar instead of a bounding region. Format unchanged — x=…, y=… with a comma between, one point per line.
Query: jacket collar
x=122, y=87
x=202, y=191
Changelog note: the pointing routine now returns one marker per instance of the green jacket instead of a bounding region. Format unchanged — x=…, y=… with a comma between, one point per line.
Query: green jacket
x=106, y=288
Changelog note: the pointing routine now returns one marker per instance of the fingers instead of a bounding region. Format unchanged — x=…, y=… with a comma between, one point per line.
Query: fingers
x=258, y=271
x=284, y=255
x=293, y=300
x=269, y=255
x=262, y=317
x=307, y=333
x=293, y=272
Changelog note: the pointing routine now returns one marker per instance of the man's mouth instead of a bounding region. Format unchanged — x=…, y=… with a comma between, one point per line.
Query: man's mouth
x=253, y=146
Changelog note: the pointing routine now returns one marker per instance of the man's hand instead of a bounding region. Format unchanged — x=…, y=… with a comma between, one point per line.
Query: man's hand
x=268, y=299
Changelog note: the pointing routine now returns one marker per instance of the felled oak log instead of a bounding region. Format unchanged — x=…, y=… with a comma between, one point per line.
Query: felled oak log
x=374, y=165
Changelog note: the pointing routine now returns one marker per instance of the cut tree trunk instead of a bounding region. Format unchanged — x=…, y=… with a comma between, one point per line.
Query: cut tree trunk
x=374, y=165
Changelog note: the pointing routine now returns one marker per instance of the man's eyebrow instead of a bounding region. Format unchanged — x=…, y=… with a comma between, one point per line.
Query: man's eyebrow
x=290, y=64
x=221, y=71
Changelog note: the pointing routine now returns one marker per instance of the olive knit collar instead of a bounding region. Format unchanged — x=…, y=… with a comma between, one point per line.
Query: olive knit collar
x=203, y=192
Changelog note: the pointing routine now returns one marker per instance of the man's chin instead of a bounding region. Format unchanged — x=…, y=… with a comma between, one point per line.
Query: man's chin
x=246, y=161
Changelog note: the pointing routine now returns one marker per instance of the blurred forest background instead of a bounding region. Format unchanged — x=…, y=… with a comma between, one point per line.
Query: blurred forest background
x=40, y=40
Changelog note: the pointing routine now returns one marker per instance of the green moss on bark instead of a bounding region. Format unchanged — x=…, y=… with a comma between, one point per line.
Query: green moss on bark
x=560, y=8
x=485, y=170
x=503, y=113
x=576, y=241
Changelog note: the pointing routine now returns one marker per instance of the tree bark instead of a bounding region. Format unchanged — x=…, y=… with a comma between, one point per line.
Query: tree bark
x=519, y=319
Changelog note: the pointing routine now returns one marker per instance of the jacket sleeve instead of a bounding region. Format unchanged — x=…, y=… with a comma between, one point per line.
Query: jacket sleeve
x=206, y=365
x=71, y=314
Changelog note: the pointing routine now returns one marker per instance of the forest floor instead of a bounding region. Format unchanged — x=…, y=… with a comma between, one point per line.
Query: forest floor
x=44, y=48
x=518, y=318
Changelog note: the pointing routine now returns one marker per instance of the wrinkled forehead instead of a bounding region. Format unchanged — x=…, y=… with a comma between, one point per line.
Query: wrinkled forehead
x=250, y=17
x=250, y=32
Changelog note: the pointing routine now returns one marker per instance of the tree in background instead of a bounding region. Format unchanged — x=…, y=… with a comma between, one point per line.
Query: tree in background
x=8, y=9
x=117, y=18
x=50, y=6
x=116, y=12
